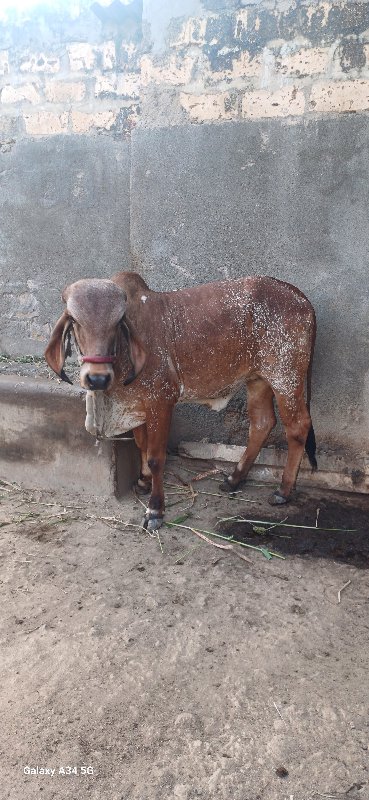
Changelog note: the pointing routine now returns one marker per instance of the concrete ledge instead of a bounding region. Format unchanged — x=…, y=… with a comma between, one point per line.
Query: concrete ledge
x=44, y=444
x=334, y=472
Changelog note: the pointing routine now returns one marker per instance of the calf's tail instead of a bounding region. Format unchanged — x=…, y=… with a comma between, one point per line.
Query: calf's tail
x=310, y=444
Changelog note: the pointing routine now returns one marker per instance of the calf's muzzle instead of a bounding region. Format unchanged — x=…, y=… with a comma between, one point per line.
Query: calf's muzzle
x=98, y=382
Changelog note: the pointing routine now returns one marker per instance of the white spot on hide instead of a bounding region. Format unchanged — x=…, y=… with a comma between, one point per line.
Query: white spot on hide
x=216, y=403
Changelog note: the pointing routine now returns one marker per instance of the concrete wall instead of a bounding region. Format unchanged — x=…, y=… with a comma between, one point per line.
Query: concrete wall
x=252, y=157
x=260, y=198
x=64, y=214
x=221, y=138
x=68, y=101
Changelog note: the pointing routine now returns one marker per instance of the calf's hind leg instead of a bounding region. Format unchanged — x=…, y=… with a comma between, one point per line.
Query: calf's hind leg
x=262, y=419
x=143, y=485
x=297, y=422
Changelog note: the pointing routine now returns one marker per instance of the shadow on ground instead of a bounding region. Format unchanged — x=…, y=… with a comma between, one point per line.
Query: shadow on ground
x=348, y=544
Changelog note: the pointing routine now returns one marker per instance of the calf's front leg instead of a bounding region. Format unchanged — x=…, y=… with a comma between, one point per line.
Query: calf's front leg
x=157, y=424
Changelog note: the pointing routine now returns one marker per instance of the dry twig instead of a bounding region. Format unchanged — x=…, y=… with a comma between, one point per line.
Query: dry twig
x=201, y=475
x=345, y=585
x=216, y=544
x=277, y=710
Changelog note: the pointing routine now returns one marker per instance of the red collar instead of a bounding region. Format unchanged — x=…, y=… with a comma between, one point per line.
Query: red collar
x=99, y=359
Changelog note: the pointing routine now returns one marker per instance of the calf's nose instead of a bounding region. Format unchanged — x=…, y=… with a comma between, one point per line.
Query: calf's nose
x=96, y=382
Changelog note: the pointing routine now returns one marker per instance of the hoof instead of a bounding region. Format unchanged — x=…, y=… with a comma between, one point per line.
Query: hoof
x=141, y=487
x=226, y=486
x=152, y=524
x=277, y=499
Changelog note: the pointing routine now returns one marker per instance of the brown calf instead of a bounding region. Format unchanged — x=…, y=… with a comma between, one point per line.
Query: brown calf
x=152, y=349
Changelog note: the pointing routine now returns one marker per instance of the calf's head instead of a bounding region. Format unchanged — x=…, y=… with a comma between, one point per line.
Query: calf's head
x=94, y=315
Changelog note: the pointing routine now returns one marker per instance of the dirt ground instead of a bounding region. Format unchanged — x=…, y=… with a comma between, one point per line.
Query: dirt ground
x=168, y=669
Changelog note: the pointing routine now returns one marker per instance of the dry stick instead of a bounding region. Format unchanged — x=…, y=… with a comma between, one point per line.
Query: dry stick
x=345, y=585
x=187, y=489
x=216, y=544
x=12, y=485
x=140, y=501
x=187, y=486
x=277, y=710
x=240, y=555
x=175, y=486
x=193, y=494
x=251, y=546
x=194, y=472
x=219, y=536
x=205, y=538
x=32, y=629
x=39, y=520
x=36, y=502
x=177, y=491
x=201, y=475
x=328, y=796
x=109, y=521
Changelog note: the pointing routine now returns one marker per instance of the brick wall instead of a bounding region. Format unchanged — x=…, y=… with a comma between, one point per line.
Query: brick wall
x=78, y=71
x=67, y=72
x=263, y=60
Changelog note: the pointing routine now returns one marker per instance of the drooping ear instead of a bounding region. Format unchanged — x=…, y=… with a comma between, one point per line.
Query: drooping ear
x=56, y=351
x=137, y=354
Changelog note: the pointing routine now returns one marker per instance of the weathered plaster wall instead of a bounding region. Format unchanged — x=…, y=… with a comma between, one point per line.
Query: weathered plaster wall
x=200, y=139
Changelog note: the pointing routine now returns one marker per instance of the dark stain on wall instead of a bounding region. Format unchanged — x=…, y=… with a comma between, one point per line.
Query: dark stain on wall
x=351, y=55
x=225, y=38
x=221, y=30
